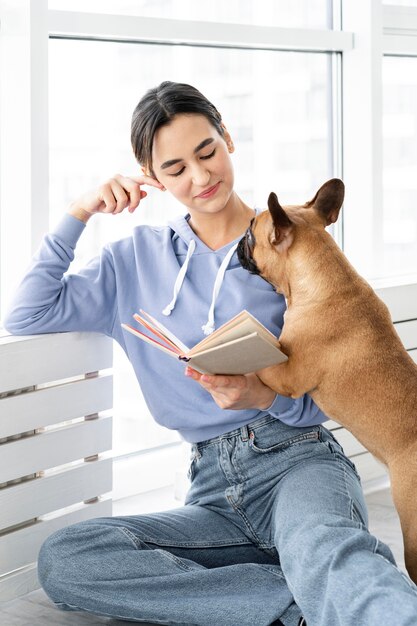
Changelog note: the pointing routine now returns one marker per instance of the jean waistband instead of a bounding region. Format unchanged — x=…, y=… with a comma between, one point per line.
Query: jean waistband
x=242, y=431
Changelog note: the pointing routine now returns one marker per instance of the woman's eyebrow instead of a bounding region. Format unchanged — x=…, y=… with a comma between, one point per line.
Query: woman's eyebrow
x=201, y=145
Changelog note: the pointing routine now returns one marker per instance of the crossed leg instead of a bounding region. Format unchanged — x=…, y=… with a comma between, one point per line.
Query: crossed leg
x=186, y=566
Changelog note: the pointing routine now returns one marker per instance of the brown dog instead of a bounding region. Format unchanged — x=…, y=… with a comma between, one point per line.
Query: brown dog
x=340, y=340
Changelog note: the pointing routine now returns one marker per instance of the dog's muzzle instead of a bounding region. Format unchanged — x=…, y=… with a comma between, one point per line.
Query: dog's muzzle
x=245, y=251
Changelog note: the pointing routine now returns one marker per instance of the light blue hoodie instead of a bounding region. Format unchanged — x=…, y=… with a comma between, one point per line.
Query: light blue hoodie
x=171, y=274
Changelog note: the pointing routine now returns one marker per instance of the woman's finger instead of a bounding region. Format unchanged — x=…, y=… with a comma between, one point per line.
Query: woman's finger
x=133, y=189
x=132, y=185
x=148, y=180
x=121, y=197
x=108, y=200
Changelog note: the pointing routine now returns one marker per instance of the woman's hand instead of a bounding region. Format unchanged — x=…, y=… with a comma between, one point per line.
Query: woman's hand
x=235, y=392
x=114, y=196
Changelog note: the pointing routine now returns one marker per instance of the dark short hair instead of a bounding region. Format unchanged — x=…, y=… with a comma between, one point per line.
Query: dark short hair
x=158, y=107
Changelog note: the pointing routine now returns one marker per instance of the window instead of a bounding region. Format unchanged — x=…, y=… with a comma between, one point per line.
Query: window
x=281, y=128
x=399, y=219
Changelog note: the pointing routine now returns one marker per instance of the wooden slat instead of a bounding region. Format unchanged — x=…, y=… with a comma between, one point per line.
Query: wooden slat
x=37, y=359
x=55, y=447
x=58, y=490
x=408, y=333
x=21, y=547
x=19, y=583
x=44, y=407
x=368, y=467
x=349, y=443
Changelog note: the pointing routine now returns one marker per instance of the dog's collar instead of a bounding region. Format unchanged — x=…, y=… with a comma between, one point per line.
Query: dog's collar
x=245, y=251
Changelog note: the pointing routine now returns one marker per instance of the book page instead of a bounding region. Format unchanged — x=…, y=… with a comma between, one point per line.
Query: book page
x=151, y=341
x=177, y=342
x=242, y=324
x=241, y=356
x=154, y=331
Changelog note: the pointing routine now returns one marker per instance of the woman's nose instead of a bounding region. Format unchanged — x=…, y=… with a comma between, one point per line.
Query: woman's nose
x=200, y=175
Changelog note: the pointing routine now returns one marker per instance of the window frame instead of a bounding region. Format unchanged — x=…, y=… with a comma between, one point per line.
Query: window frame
x=378, y=30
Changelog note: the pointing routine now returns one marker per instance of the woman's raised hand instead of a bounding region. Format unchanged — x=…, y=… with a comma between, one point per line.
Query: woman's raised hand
x=114, y=196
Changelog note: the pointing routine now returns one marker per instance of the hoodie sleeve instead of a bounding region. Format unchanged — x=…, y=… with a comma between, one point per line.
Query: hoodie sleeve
x=46, y=301
x=300, y=412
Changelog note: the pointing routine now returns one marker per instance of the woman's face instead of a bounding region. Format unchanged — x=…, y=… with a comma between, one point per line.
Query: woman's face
x=189, y=157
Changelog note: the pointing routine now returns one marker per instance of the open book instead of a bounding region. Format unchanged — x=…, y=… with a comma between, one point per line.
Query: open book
x=242, y=345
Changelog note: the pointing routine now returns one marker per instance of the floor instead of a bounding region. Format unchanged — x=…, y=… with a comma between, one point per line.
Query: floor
x=35, y=609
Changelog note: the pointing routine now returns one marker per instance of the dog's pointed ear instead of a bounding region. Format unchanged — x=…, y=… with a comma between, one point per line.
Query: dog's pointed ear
x=283, y=226
x=328, y=200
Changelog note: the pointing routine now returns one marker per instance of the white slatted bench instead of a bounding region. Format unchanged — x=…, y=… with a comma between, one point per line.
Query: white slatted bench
x=402, y=303
x=54, y=429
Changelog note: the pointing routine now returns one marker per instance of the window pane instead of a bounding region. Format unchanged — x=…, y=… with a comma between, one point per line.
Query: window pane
x=286, y=13
x=400, y=166
x=275, y=105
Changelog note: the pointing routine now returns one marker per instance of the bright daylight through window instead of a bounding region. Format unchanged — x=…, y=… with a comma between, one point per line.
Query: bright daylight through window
x=287, y=119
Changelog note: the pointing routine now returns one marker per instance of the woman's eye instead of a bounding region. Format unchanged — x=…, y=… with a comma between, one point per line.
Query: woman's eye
x=178, y=173
x=209, y=155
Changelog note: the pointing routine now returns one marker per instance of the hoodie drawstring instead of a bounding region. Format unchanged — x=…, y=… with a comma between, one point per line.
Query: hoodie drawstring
x=180, y=278
x=209, y=327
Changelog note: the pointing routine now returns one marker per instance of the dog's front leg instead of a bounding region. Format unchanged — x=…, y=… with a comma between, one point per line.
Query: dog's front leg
x=288, y=379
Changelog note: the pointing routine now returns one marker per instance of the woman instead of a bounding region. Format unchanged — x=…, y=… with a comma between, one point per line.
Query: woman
x=274, y=524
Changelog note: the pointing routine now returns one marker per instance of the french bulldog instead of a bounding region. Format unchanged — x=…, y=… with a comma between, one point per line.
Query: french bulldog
x=340, y=341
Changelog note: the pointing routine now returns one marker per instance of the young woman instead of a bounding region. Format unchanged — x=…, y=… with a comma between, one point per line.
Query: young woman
x=273, y=530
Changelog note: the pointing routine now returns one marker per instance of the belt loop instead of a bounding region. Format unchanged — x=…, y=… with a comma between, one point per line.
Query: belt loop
x=195, y=451
x=244, y=433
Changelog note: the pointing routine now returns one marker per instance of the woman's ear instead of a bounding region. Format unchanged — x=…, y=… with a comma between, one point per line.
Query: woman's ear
x=228, y=139
x=146, y=172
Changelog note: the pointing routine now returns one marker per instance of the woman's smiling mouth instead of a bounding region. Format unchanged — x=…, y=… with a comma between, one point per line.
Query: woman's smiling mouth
x=209, y=192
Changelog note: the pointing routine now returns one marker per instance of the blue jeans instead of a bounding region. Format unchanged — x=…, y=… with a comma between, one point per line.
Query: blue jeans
x=273, y=527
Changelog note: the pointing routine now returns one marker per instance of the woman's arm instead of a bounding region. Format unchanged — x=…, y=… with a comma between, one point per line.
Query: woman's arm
x=46, y=300
x=249, y=392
